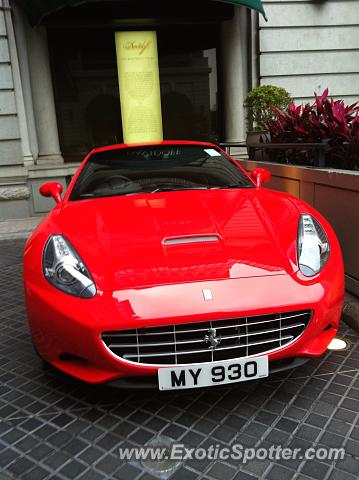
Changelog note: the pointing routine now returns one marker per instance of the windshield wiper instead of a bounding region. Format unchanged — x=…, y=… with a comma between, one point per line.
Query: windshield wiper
x=231, y=185
x=110, y=194
x=163, y=188
x=177, y=188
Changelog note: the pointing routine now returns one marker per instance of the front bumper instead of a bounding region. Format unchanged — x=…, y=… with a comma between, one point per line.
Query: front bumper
x=66, y=330
x=151, y=382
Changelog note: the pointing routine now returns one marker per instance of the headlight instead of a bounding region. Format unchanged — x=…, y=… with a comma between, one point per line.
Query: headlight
x=313, y=246
x=65, y=270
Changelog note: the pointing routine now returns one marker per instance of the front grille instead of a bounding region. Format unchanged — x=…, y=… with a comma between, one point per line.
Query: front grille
x=185, y=343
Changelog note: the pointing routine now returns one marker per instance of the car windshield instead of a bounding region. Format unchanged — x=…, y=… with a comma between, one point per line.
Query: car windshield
x=151, y=169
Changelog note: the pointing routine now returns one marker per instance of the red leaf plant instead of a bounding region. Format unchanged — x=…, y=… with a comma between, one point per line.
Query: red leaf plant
x=324, y=121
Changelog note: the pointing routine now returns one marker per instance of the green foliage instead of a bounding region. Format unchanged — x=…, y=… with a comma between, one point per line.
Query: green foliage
x=260, y=103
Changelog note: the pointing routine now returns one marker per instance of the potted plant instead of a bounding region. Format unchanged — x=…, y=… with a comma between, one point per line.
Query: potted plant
x=260, y=105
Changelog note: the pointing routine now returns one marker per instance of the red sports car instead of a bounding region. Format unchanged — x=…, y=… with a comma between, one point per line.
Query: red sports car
x=167, y=265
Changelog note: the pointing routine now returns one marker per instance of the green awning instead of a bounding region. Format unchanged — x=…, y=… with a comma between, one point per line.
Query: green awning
x=37, y=10
x=254, y=4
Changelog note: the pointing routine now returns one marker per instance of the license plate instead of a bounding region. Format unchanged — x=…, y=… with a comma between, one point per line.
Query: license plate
x=214, y=373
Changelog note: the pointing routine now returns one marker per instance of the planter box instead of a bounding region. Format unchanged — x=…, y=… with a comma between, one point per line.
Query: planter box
x=334, y=193
x=315, y=153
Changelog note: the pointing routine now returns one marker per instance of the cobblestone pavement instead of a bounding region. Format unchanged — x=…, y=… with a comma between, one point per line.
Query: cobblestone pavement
x=54, y=427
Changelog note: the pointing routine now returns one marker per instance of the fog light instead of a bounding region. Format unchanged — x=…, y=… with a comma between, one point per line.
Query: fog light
x=338, y=344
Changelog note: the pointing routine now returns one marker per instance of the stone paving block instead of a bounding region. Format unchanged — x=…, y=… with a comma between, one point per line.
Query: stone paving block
x=52, y=427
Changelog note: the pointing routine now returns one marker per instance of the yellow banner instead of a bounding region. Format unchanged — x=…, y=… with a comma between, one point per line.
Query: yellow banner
x=139, y=81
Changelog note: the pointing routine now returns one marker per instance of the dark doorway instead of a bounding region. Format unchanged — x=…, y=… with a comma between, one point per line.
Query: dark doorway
x=86, y=84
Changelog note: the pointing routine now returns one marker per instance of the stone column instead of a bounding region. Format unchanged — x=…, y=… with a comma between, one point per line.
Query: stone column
x=235, y=74
x=43, y=99
x=18, y=90
x=22, y=28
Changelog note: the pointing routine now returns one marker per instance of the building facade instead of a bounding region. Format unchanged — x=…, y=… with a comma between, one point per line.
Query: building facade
x=59, y=88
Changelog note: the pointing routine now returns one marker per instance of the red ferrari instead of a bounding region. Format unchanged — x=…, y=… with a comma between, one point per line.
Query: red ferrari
x=166, y=265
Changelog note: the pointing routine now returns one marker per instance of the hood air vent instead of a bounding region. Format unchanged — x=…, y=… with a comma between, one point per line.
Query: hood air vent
x=190, y=239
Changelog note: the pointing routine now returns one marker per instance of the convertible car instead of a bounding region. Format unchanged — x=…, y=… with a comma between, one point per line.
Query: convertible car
x=167, y=265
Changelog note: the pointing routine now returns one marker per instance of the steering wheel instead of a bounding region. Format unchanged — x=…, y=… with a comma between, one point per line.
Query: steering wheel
x=112, y=183
x=114, y=178
x=163, y=180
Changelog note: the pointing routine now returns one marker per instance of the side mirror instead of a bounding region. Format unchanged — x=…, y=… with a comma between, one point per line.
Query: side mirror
x=52, y=189
x=260, y=176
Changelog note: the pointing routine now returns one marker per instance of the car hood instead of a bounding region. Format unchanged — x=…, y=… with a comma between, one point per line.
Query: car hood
x=153, y=239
